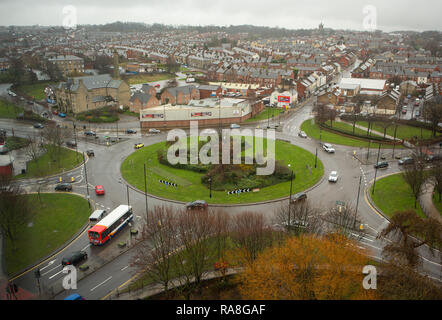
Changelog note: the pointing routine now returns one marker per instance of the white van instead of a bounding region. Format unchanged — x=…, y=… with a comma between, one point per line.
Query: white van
x=97, y=215
x=235, y=126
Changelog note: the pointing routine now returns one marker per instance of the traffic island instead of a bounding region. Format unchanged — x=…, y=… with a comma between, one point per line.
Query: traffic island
x=191, y=182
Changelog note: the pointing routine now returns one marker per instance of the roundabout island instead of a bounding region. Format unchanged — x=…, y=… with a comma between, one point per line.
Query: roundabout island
x=215, y=183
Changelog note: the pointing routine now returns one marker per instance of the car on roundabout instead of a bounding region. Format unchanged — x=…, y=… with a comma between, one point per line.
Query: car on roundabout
x=328, y=148
x=298, y=197
x=138, y=145
x=333, y=177
x=197, y=205
x=99, y=190
x=63, y=187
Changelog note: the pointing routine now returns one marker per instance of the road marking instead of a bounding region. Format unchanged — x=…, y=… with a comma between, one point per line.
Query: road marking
x=49, y=264
x=86, y=247
x=101, y=283
x=125, y=268
x=49, y=271
x=56, y=274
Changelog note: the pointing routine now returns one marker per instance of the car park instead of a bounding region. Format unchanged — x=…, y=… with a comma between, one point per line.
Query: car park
x=328, y=148
x=74, y=258
x=131, y=131
x=138, y=145
x=197, y=204
x=302, y=134
x=301, y=196
x=333, y=177
x=152, y=130
x=38, y=126
x=380, y=165
x=405, y=161
x=63, y=187
x=99, y=190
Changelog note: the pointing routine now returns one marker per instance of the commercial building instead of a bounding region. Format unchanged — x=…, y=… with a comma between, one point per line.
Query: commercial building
x=363, y=86
x=208, y=112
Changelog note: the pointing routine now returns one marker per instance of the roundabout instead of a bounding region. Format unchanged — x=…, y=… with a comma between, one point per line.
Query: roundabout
x=186, y=185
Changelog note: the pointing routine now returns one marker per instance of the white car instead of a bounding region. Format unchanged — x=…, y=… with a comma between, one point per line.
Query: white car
x=235, y=126
x=154, y=131
x=333, y=177
x=302, y=134
x=328, y=148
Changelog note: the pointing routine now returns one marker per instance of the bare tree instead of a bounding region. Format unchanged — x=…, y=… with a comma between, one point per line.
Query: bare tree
x=408, y=232
x=414, y=174
x=436, y=173
x=55, y=137
x=192, y=259
x=154, y=251
x=34, y=150
x=344, y=220
x=251, y=236
x=15, y=209
x=433, y=112
x=303, y=218
x=222, y=225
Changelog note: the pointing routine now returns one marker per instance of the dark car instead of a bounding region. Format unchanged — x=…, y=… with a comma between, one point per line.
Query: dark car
x=63, y=187
x=198, y=204
x=71, y=144
x=406, y=160
x=433, y=157
x=379, y=165
x=301, y=196
x=90, y=153
x=90, y=133
x=38, y=126
x=131, y=131
x=74, y=258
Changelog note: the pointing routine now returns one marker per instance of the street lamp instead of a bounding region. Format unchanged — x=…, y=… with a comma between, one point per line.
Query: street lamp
x=210, y=187
x=376, y=171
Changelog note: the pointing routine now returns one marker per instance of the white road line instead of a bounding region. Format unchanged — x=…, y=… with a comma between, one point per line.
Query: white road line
x=49, y=271
x=86, y=247
x=49, y=264
x=101, y=283
x=55, y=274
x=125, y=268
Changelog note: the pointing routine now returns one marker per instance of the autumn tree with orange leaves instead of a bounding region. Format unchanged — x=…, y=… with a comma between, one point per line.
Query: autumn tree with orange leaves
x=307, y=268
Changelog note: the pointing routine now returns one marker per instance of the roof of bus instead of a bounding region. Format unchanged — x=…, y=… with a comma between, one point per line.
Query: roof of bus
x=113, y=216
x=97, y=228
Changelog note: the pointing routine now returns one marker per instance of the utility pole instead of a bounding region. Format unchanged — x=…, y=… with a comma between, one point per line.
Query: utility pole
x=145, y=189
x=368, y=150
x=85, y=175
x=117, y=131
x=394, y=140
x=75, y=137
x=210, y=187
x=127, y=190
x=316, y=157
x=376, y=171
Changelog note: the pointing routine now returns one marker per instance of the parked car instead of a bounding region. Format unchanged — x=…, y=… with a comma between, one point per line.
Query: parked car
x=380, y=165
x=99, y=190
x=302, y=134
x=138, y=145
x=131, y=131
x=433, y=157
x=333, y=177
x=90, y=133
x=74, y=258
x=38, y=126
x=328, y=148
x=62, y=115
x=55, y=112
x=71, y=144
x=63, y=187
x=235, y=126
x=152, y=130
x=198, y=204
x=4, y=149
x=90, y=153
x=406, y=160
x=301, y=196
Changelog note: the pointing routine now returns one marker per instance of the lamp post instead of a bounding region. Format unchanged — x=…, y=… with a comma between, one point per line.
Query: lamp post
x=85, y=175
x=394, y=140
x=145, y=189
x=316, y=157
x=357, y=200
x=210, y=188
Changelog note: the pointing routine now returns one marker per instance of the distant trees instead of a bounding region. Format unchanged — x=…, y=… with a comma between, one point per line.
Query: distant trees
x=433, y=113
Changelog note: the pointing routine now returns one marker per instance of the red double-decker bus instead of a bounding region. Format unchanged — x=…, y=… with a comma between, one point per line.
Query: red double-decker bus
x=107, y=228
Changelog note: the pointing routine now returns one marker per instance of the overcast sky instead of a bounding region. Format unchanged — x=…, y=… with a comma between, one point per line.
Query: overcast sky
x=292, y=14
